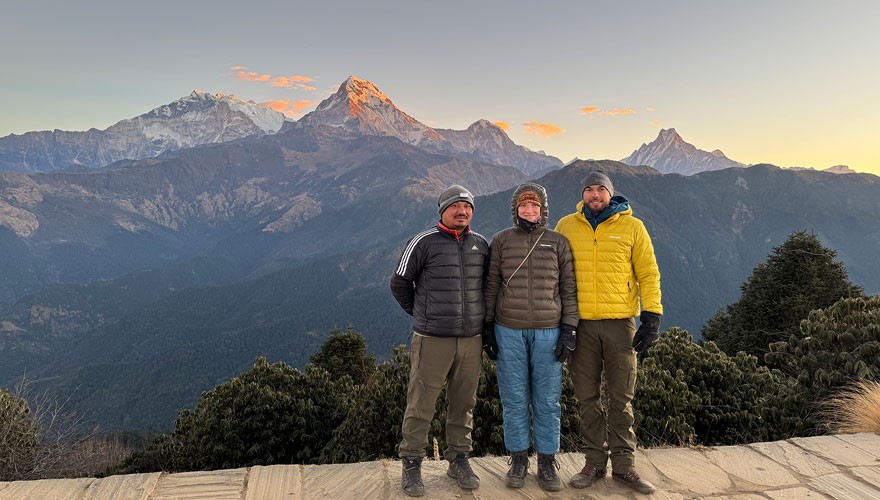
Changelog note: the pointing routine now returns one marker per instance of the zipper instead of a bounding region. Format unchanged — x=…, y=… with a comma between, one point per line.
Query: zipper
x=529, y=275
x=462, y=280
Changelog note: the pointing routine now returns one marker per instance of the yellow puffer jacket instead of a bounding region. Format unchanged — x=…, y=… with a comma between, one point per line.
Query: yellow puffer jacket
x=614, y=265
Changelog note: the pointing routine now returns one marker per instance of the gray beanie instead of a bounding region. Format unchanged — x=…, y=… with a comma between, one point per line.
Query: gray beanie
x=597, y=177
x=452, y=194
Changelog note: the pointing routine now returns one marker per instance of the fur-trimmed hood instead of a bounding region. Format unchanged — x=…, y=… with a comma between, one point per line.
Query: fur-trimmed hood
x=542, y=195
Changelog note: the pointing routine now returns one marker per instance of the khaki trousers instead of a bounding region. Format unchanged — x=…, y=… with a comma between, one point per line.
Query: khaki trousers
x=455, y=362
x=606, y=345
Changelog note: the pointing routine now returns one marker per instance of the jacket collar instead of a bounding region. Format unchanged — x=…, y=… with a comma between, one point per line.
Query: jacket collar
x=453, y=232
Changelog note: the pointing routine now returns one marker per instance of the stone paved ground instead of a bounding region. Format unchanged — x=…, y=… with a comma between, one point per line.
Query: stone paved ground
x=838, y=467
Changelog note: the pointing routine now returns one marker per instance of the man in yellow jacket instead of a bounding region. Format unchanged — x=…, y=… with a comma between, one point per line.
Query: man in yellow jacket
x=617, y=279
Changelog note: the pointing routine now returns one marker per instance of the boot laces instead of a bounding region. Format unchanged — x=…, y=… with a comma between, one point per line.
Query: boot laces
x=519, y=463
x=463, y=465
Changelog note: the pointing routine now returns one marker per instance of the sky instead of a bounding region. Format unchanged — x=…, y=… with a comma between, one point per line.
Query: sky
x=792, y=83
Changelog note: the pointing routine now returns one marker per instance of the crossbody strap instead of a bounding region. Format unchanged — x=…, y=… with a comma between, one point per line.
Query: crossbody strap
x=506, y=283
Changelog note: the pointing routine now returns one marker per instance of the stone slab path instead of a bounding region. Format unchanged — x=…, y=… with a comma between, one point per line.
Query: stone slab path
x=824, y=467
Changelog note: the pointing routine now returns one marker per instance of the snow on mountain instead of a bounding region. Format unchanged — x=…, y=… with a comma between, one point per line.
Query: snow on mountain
x=359, y=106
x=840, y=169
x=486, y=141
x=669, y=153
x=199, y=118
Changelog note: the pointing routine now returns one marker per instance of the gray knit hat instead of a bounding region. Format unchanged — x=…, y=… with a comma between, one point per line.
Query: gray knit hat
x=452, y=194
x=597, y=177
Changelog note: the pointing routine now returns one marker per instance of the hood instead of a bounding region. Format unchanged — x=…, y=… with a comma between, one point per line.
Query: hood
x=542, y=194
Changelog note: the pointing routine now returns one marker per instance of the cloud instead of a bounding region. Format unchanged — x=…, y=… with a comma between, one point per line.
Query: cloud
x=542, y=129
x=237, y=68
x=656, y=123
x=650, y=110
x=292, y=81
x=618, y=112
x=502, y=125
x=287, y=106
x=251, y=76
x=586, y=110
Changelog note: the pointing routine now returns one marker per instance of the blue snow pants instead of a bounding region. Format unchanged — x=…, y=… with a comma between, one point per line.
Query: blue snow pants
x=529, y=376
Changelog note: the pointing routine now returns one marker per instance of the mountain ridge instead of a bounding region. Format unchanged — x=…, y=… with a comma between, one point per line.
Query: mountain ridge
x=709, y=231
x=196, y=119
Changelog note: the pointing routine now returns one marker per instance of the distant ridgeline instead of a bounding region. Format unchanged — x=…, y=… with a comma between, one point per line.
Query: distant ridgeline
x=134, y=287
x=140, y=347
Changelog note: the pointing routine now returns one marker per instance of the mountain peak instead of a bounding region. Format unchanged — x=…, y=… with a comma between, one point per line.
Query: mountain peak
x=360, y=106
x=840, y=169
x=670, y=153
x=197, y=118
x=483, y=124
x=669, y=134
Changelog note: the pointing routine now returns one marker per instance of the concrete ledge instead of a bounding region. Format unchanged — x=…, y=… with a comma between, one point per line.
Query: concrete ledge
x=839, y=467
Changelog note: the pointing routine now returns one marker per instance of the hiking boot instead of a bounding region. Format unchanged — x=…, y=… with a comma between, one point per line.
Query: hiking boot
x=548, y=480
x=634, y=481
x=519, y=466
x=586, y=477
x=411, y=480
x=460, y=470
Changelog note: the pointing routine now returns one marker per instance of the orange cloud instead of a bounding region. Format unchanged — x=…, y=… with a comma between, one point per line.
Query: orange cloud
x=589, y=109
x=656, y=123
x=287, y=106
x=292, y=81
x=237, y=68
x=251, y=76
x=650, y=110
x=542, y=129
x=618, y=112
x=306, y=87
x=502, y=125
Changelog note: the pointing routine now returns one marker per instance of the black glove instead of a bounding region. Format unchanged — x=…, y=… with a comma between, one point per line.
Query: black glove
x=648, y=333
x=566, y=343
x=490, y=345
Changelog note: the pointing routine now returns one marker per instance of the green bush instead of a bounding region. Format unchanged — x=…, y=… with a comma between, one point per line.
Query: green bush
x=691, y=393
x=19, y=438
x=836, y=346
x=271, y=414
x=371, y=428
x=345, y=353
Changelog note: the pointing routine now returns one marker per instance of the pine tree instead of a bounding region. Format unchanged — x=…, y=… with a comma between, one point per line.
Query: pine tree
x=800, y=275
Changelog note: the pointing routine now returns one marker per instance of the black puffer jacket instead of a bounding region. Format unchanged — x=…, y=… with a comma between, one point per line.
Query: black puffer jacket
x=439, y=281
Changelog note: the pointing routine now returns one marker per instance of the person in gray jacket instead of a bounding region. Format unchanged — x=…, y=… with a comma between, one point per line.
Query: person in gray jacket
x=531, y=313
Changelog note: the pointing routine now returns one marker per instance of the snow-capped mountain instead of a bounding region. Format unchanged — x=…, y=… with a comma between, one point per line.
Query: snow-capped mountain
x=670, y=154
x=486, y=141
x=199, y=118
x=358, y=106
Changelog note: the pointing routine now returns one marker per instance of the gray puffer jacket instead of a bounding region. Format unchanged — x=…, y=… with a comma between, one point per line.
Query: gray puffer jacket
x=542, y=293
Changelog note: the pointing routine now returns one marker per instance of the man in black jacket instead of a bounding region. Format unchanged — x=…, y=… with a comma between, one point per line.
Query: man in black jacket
x=439, y=281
